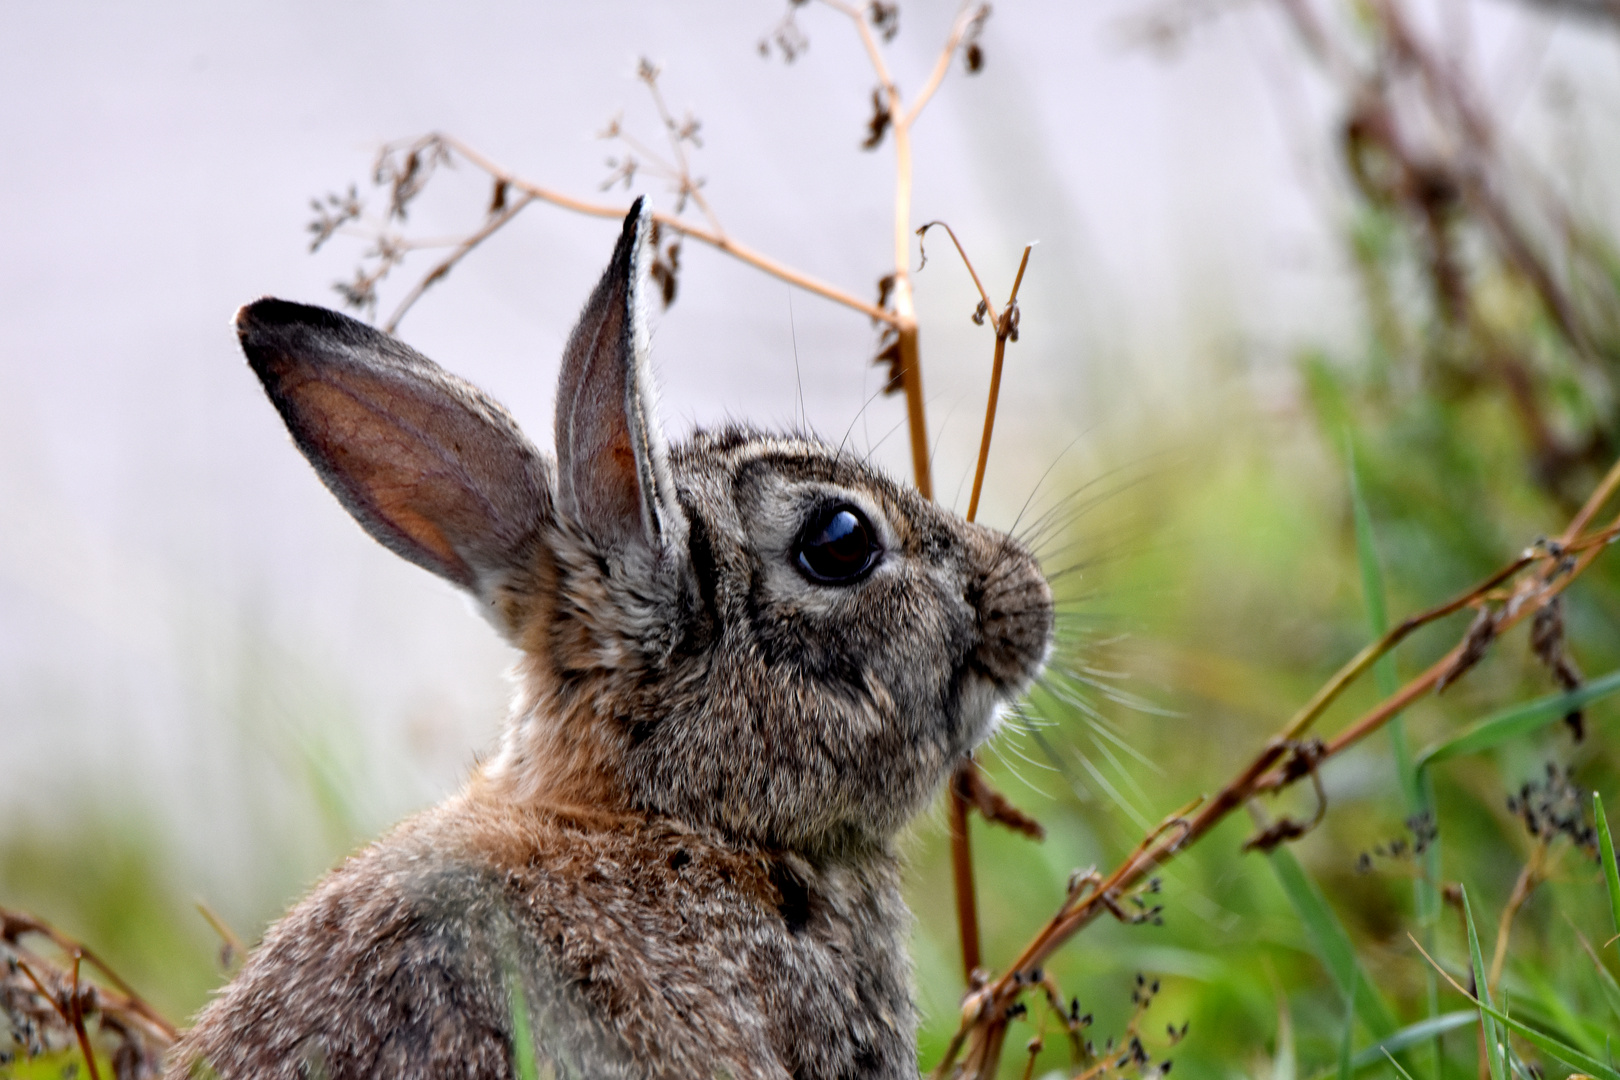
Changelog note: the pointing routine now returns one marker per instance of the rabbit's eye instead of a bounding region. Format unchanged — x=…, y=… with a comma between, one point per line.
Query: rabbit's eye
x=837, y=546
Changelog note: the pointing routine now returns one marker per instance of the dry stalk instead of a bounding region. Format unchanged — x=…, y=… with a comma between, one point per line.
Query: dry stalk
x=968, y=786
x=899, y=122
x=1529, y=878
x=1005, y=323
x=1280, y=763
x=592, y=208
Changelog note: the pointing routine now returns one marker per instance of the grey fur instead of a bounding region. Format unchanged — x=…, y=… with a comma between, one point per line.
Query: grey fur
x=683, y=852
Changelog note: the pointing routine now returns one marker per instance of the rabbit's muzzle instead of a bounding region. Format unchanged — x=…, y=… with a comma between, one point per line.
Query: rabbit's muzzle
x=1013, y=603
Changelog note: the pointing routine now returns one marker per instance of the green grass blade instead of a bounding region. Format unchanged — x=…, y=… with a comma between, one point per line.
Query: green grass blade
x=1332, y=943
x=1611, y=873
x=1349, y=1032
x=1402, y=1073
x=1426, y=891
x=523, y=1062
x=1494, y=1055
x=1518, y=721
x=1553, y=1048
x=1413, y=1034
x=1556, y=1012
x=1415, y=785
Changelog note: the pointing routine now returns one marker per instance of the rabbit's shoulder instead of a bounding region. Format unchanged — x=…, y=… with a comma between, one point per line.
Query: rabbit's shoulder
x=383, y=969
x=642, y=948
x=700, y=953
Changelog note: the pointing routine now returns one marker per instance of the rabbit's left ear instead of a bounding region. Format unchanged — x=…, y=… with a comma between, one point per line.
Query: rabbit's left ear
x=612, y=462
x=427, y=463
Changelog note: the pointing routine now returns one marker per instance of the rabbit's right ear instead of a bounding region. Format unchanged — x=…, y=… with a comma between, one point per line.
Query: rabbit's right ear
x=613, y=474
x=427, y=463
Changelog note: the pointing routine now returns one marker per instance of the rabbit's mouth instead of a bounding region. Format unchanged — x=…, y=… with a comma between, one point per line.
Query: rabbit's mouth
x=1013, y=602
x=1012, y=605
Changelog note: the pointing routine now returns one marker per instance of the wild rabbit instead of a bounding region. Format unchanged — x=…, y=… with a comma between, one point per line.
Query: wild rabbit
x=746, y=662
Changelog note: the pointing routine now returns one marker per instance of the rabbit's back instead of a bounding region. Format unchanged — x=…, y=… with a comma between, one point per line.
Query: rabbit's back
x=641, y=949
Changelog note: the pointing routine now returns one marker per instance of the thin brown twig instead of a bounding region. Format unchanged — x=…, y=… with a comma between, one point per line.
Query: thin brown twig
x=234, y=945
x=1600, y=496
x=984, y=297
x=904, y=318
x=463, y=249
x=943, y=63
x=1529, y=878
x=688, y=187
x=904, y=322
x=1005, y=324
x=1006, y=329
x=720, y=242
x=14, y=925
x=968, y=785
x=1455, y=985
x=967, y=903
x=76, y=1008
x=71, y=1013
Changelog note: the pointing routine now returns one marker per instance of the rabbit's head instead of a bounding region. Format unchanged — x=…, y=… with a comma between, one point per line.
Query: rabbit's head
x=748, y=632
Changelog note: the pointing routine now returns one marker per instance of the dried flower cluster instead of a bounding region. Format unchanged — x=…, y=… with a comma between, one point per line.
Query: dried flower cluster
x=1556, y=806
x=46, y=1008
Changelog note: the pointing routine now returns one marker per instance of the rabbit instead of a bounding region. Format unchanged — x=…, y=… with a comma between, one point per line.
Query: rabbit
x=747, y=661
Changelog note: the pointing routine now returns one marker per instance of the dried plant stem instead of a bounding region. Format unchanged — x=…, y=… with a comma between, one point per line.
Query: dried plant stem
x=1279, y=764
x=904, y=304
x=76, y=1018
x=719, y=241
x=688, y=188
x=462, y=250
x=967, y=903
x=966, y=776
x=904, y=322
x=1594, y=503
x=1529, y=878
x=232, y=941
x=1005, y=325
x=15, y=925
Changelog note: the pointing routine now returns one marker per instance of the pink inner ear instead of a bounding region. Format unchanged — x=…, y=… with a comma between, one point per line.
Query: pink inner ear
x=426, y=462
x=409, y=486
x=618, y=486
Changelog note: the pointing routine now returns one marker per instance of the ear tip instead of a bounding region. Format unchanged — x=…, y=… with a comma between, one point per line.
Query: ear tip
x=269, y=321
x=636, y=225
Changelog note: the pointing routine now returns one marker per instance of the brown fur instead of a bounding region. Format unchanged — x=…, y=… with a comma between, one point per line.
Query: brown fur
x=683, y=853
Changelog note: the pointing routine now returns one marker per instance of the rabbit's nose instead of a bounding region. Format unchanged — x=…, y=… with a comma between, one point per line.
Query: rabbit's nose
x=1015, y=614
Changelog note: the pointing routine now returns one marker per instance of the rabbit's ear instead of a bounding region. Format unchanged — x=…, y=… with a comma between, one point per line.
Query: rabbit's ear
x=612, y=464
x=429, y=465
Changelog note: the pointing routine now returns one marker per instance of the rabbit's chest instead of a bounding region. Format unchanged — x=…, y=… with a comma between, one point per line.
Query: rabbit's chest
x=716, y=955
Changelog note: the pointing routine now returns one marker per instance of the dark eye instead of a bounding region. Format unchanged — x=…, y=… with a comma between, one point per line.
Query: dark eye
x=837, y=546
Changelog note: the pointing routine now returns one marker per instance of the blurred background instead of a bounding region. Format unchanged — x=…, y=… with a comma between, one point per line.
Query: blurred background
x=1268, y=232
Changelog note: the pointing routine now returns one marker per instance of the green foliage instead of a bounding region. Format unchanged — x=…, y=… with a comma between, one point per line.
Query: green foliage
x=1611, y=874
x=523, y=1057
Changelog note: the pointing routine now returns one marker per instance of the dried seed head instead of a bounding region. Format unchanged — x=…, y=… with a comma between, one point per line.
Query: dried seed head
x=972, y=51
x=885, y=18
x=878, y=125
